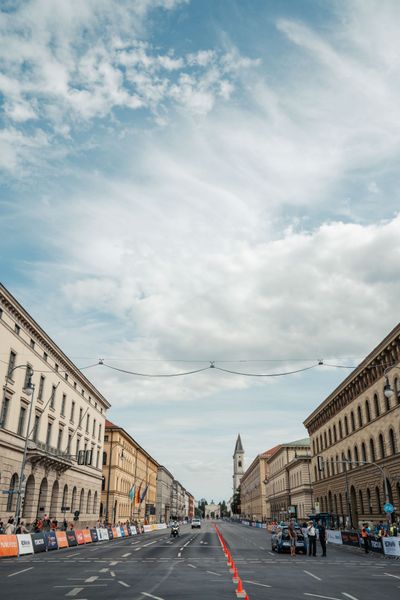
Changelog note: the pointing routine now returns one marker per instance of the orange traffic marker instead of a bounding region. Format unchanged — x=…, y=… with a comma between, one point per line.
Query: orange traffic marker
x=240, y=592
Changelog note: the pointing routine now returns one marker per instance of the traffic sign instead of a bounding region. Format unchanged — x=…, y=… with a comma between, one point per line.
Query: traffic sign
x=388, y=508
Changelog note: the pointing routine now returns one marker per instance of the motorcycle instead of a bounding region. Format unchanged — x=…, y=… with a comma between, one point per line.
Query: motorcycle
x=174, y=531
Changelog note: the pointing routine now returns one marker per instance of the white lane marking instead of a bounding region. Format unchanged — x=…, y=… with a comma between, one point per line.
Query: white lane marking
x=124, y=584
x=214, y=573
x=150, y=543
x=261, y=548
x=181, y=549
x=388, y=574
x=137, y=549
x=127, y=554
x=103, y=570
x=91, y=579
x=74, y=592
x=256, y=583
x=193, y=567
x=113, y=563
x=112, y=573
x=18, y=572
x=271, y=553
x=179, y=554
x=312, y=575
x=319, y=596
x=349, y=596
x=151, y=596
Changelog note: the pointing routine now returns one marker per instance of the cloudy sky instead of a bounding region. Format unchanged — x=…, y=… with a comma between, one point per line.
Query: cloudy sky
x=206, y=180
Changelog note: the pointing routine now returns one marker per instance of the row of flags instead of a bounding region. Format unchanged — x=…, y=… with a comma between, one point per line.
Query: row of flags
x=135, y=494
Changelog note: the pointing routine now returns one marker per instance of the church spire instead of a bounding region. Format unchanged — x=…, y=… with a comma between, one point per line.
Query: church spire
x=238, y=447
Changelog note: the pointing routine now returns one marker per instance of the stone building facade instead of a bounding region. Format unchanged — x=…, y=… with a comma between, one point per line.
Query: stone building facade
x=357, y=423
x=165, y=480
x=252, y=488
x=288, y=484
x=127, y=464
x=178, y=501
x=61, y=424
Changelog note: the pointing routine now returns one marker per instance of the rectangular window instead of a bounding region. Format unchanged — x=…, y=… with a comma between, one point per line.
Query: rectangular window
x=1, y=313
x=28, y=374
x=53, y=396
x=36, y=428
x=80, y=417
x=4, y=412
x=82, y=392
x=106, y=440
x=11, y=364
x=66, y=376
x=64, y=398
x=56, y=366
x=41, y=387
x=69, y=443
x=75, y=384
x=21, y=420
x=59, y=438
x=94, y=428
x=72, y=412
x=48, y=434
x=105, y=437
x=97, y=458
x=17, y=329
x=87, y=423
x=32, y=344
x=78, y=443
x=45, y=356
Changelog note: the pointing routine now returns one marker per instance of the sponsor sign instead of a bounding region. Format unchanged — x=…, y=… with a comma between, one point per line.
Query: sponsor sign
x=111, y=533
x=114, y=532
x=8, y=545
x=133, y=530
x=39, y=545
x=376, y=545
x=106, y=533
x=391, y=546
x=121, y=531
x=24, y=543
x=50, y=540
x=71, y=537
x=334, y=537
x=62, y=539
x=125, y=530
x=87, y=537
x=118, y=530
x=79, y=536
x=94, y=535
x=147, y=528
x=350, y=538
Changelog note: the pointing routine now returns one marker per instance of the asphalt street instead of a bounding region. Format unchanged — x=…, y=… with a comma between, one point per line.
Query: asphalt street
x=194, y=566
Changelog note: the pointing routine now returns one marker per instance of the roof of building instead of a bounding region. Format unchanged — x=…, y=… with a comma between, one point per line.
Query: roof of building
x=303, y=442
x=270, y=452
x=238, y=447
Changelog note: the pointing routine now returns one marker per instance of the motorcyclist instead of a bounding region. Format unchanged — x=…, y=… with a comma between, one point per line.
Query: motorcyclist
x=174, y=529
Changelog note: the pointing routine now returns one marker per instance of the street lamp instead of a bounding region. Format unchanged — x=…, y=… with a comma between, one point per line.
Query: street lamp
x=388, y=390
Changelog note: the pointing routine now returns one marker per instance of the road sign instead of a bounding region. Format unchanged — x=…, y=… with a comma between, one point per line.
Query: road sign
x=388, y=508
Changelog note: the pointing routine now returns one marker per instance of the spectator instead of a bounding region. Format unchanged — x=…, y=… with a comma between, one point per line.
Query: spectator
x=365, y=533
x=322, y=537
x=10, y=527
x=292, y=538
x=312, y=539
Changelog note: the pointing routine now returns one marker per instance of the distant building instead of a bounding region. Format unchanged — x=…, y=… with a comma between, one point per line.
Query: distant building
x=238, y=464
x=288, y=483
x=165, y=481
x=358, y=423
x=127, y=464
x=62, y=423
x=252, y=487
x=178, y=501
x=212, y=511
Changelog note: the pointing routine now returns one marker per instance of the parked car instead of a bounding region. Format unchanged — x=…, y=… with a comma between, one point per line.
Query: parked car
x=280, y=541
x=196, y=523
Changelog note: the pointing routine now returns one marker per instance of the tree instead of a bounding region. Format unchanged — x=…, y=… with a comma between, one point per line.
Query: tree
x=236, y=503
x=202, y=507
x=223, y=509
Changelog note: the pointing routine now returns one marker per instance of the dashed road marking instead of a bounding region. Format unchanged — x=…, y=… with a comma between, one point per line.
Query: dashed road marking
x=137, y=549
x=91, y=579
x=150, y=543
x=390, y=575
x=112, y=573
x=127, y=554
x=193, y=566
x=214, y=573
x=151, y=596
x=256, y=583
x=349, y=596
x=124, y=584
x=312, y=575
x=19, y=572
x=113, y=563
x=74, y=592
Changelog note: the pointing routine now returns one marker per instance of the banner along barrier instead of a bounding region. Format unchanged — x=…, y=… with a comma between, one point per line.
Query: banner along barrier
x=391, y=546
x=50, y=540
x=71, y=537
x=87, y=537
x=62, y=541
x=94, y=535
x=24, y=544
x=334, y=537
x=350, y=538
x=79, y=536
x=376, y=545
x=8, y=545
x=133, y=530
x=38, y=541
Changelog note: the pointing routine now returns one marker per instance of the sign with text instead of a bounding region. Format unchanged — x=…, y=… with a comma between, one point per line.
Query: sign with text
x=79, y=536
x=334, y=537
x=24, y=543
x=71, y=537
x=8, y=545
x=94, y=535
x=62, y=539
x=391, y=546
x=86, y=536
x=350, y=538
x=39, y=544
x=50, y=540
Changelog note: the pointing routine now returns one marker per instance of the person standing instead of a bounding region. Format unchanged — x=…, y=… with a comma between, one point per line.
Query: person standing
x=292, y=538
x=10, y=527
x=322, y=537
x=365, y=537
x=312, y=539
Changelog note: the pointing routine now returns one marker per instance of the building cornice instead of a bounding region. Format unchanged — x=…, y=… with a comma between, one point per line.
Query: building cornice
x=129, y=438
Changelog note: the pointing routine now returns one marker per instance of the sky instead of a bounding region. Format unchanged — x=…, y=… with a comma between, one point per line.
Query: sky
x=184, y=182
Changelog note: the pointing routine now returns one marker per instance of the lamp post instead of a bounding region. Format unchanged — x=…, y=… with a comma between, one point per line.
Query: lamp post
x=388, y=390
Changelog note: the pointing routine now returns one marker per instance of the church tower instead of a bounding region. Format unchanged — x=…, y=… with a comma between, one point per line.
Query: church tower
x=238, y=464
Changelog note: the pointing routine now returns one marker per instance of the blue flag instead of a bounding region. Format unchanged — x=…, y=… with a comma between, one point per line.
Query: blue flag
x=132, y=493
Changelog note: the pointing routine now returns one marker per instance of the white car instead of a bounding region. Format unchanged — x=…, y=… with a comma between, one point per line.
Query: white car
x=196, y=523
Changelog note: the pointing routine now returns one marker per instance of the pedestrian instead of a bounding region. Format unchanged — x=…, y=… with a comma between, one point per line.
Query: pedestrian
x=21, y=528
x=322, y=537
x=292, y=538
x=65, y=524
x=312, y=539
x=305, y=536
x=365, y=533
x=10, y=527
x=1, y=527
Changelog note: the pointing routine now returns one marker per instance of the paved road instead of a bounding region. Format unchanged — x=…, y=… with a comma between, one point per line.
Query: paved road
x=194, y=567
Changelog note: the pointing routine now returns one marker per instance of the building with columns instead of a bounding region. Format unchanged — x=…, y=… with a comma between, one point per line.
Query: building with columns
x=127, y=464
x=252, y=487
x=355, y=431
x=238, y=464
x=61, y=425
x=288, y=482
x=165, y=480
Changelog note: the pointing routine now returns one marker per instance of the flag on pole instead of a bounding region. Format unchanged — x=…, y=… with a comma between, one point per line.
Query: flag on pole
x=142, y=497
x=137, y=495
x=132, y=493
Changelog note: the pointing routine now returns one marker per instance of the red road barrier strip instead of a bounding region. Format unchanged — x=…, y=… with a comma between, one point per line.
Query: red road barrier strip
x=240, y=592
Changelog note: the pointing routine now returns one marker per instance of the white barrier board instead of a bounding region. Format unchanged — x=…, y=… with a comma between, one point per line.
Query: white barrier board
x=391, y=546
x=334, y=537
x=25, y=545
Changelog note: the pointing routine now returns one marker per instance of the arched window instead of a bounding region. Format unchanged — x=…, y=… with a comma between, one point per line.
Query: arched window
x=392, y=441
x=369, y=501
x=363, y=452
x=81, y=501
x=397, y=389
x=346, y=426
x=378, y=500
x=104, y=458
x=321, y=443
x=360, y=419
x=325, y=440
x=88, y=502
x=376, y=405
x=367, y=411
x=353, y=422
x=334, y=434
x=387, y=402
x=381, y=446
x=12, y=497
x=344, y=466
x=73, y=501
x=372, y=450
x=95, y=503
x=340, y=430
x=361, y=501
x=356, y=457
x=336, y=504
x=64, y=497
x=330, y=436
x=349, y=459
x=341, y=503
